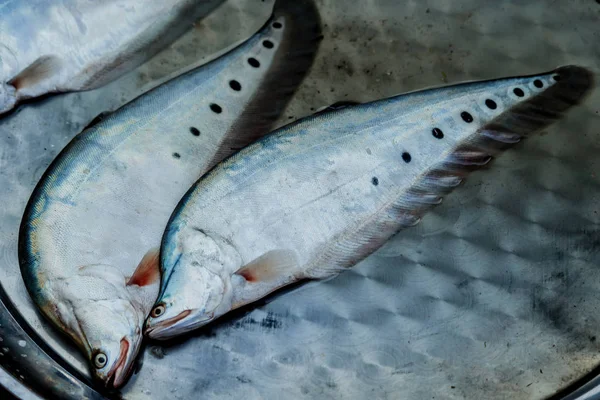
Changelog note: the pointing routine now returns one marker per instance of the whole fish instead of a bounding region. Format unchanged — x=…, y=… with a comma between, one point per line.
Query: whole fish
x=49, y=46
x=102, y=205
x=316, y=197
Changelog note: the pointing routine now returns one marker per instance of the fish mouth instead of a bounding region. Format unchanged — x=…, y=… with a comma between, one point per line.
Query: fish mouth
x=171, y=327
x=117, y=375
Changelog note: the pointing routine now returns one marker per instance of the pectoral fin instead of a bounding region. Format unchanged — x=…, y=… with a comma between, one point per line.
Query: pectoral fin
x=39, y=70
x=271, y=266
x=144, y=284
x=147, y=271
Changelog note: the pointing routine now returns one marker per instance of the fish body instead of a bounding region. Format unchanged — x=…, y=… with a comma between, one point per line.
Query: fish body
x=102, y=205
x=317, y=196
x=49, y=46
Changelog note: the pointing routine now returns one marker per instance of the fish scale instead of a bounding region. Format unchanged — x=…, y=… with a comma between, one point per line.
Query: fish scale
x=317, y=196
x=104, y=201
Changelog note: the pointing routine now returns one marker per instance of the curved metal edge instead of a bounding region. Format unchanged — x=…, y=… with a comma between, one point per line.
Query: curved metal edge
x=25, y=356
x=11, y=389
x=586, y=388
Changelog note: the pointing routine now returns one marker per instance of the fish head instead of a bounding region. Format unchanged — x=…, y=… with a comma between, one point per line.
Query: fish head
x=112, y=330
x=197, y=289
x=192, y=299
x=104, y=312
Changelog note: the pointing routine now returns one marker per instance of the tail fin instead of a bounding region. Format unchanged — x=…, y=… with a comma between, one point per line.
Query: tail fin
x=301, y=25
x=572, y=85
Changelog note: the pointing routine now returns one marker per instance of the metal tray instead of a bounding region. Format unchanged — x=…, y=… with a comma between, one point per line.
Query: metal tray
x=494, y=295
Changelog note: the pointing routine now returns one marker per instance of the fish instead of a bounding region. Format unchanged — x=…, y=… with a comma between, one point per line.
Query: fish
x=100, y=208
x=314, y=198
x=49, y=46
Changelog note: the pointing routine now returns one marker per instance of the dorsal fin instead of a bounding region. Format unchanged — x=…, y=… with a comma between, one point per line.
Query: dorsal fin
x=97, y=119
x=335, y=106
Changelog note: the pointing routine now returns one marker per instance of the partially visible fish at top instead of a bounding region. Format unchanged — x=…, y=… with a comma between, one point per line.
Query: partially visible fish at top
x=317, y=196
x=102, y=205
x=52, y=46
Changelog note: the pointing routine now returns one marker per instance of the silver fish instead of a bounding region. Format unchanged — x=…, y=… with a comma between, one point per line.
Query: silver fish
x=102, y=205
x=316, y=197
x=51, y=46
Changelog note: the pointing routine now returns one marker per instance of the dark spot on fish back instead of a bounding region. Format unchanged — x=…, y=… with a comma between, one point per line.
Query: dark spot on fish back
x=538, y=84
x=277, y=25
x=556, y=77
x=518, y=92
x=253, y=62
x=216, y=108
x=176, y=155
x=235, y=85
x=195, y=131
x=437, y=133
x=491, y=104
x=466, y=117
x=268, y=44
x=375, y=181
x=406, y=157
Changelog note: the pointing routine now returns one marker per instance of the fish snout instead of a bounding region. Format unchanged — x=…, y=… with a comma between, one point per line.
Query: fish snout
x=182, y=323
x=155, y=328
x=120, y=371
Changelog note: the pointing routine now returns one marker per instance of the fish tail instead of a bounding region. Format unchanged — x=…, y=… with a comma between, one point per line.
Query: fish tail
x=572, y=84
x=301, y=40
x=300, y=23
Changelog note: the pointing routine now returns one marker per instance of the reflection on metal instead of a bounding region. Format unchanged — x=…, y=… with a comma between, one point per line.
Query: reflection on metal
x=494, y=296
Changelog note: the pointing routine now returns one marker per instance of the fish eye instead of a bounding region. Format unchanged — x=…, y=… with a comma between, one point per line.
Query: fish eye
x=158, y=311
x=100, y=360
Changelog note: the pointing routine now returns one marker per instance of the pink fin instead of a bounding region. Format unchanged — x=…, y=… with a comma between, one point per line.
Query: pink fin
x=270, y=266
x=39, y=70
x=148, y=271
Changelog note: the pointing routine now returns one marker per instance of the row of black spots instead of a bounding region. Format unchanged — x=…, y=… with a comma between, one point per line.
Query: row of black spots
x=234, y=84
x=468, y=118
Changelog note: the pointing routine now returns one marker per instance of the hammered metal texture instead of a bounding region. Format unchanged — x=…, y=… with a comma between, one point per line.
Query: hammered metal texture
x=493, y=296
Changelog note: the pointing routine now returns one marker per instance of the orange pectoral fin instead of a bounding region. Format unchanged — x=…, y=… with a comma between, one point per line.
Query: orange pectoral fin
x=269, y=267
x=147, y=272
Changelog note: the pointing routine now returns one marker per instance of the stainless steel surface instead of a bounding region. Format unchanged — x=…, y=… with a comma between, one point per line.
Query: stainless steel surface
x=493, y=296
